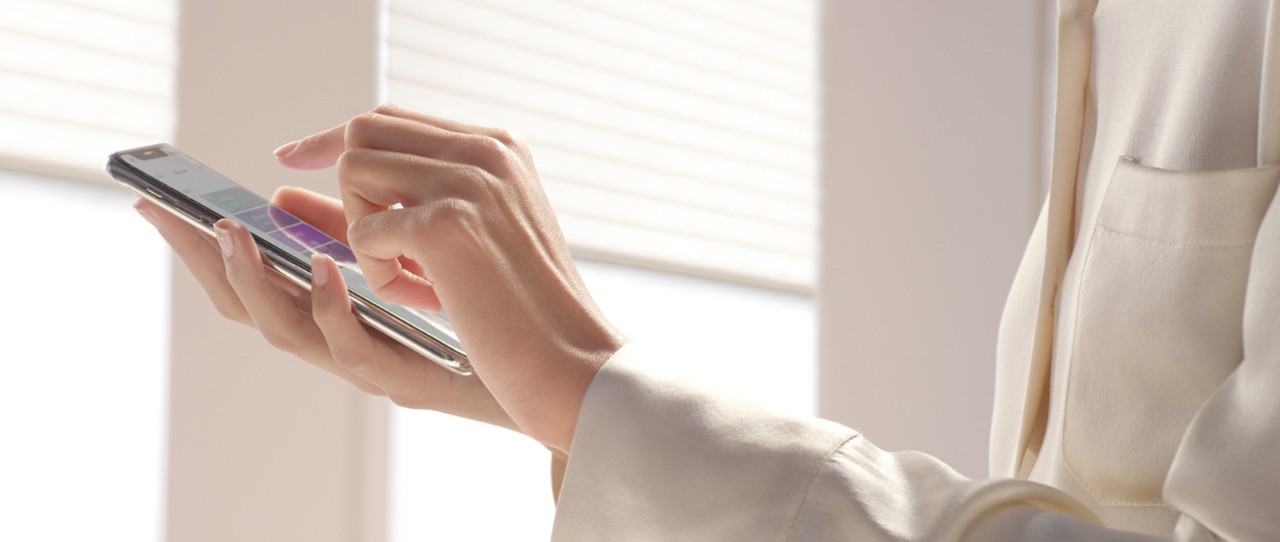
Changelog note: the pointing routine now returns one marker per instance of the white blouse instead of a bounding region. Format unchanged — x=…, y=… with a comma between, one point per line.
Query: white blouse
x=1138, y=381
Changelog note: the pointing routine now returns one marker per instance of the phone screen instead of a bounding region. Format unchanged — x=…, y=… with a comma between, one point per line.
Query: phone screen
x=290, y=236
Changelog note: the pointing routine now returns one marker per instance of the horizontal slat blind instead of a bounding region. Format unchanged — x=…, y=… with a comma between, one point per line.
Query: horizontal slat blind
x=82, y=78
x=678, y=135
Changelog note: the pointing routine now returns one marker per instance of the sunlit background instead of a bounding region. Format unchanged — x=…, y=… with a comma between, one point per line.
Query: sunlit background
x=817, y=205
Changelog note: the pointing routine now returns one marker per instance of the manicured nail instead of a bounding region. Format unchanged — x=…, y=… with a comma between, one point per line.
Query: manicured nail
x=319, y=270
x=224, y=240
x=286, y=149
x=137, y=206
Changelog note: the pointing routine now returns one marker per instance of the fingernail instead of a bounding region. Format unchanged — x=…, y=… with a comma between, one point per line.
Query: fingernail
x=224, y=240
x=319, y=270
x=137, y=206
x=286, y=149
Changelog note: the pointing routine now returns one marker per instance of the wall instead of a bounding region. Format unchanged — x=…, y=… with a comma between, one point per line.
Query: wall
x=264, y=446
x=932, y=158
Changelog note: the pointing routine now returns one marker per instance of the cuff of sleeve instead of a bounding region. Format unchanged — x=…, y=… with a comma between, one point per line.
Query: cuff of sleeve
x=656, y=457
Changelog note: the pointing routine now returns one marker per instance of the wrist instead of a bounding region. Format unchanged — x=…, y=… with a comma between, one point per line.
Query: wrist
x=564, y=389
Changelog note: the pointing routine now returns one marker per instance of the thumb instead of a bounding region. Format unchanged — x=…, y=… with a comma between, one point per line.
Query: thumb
x=315, y=151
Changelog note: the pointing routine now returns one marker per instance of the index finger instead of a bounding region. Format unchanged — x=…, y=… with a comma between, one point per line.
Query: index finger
x=316, y=151
x=322, y=150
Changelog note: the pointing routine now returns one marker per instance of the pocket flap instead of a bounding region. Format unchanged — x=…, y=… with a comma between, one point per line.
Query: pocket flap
x=1208, y=208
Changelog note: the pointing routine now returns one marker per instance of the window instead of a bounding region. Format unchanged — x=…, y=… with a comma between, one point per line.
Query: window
x=83, y=78
x=83, y=337
x=671, y=135
x=83, y=347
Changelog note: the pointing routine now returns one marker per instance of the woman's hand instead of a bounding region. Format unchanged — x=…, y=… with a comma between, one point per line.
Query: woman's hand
x=318, y=327
x=445, y=214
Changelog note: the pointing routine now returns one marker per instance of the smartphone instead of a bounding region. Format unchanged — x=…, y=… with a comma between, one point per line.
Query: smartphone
x=201, y=196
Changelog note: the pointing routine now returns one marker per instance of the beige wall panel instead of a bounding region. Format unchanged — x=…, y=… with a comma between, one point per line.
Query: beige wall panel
x=931, y=163
x=264, y=446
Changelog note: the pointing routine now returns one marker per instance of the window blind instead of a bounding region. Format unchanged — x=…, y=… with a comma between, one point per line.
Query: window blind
x=82, y=78
x=670, y=134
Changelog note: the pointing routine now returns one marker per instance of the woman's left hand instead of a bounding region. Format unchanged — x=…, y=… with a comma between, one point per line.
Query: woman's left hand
x=317, y=326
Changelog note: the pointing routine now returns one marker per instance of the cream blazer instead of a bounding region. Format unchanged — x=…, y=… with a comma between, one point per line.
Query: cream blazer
x=1138, y=379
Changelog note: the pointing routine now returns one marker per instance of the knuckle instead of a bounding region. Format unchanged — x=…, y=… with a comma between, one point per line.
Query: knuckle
x=355, y=362
x=508, y=138
x=370, y=389
x=359, y=127
x=344, y=162
x=279, y=340
x=351, y=160
x=472, y=180
x=401, y=399
x=486, y=152
x=515, y=148
x=491, y=146
x=387, y=109
x=361, y=230
x=235, y=314
x=326, y=318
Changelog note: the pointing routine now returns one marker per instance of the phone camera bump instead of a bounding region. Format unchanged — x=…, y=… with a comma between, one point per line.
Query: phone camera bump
x=149, y=153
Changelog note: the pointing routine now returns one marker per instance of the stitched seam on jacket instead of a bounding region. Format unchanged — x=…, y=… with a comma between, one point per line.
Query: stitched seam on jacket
x=1071, y=370
x=1071, y=365
x=1233, y=244
x=826, y=458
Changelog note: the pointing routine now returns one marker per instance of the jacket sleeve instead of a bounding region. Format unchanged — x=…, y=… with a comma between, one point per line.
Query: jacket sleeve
x=657, y=458
x=1225, y=477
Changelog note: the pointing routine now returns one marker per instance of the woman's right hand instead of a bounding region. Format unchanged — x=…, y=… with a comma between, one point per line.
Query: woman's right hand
x=319, y=326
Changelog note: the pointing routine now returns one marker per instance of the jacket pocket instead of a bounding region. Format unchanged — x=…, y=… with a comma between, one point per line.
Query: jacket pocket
x=1158, y=320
